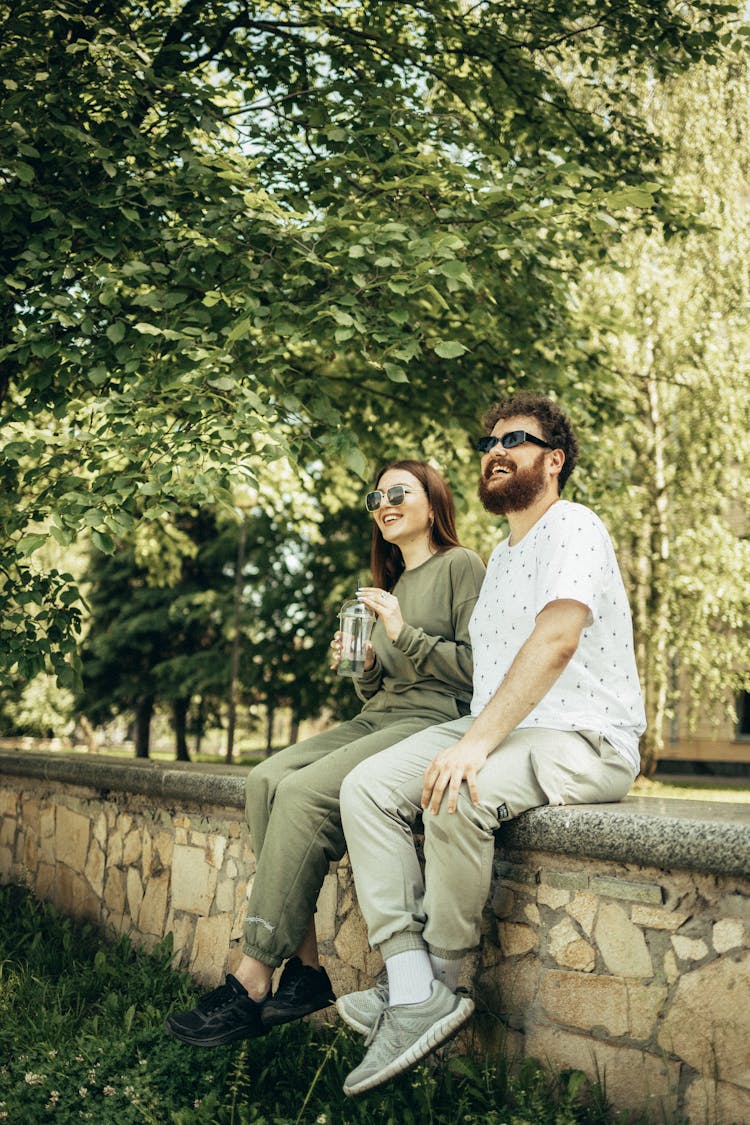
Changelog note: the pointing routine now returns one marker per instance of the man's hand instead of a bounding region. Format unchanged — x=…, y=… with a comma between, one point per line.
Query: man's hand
x=447, y=770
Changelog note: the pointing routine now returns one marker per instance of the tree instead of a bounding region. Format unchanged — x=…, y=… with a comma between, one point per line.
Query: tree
x=679, y=338
x=162, y=627
x=230, y=235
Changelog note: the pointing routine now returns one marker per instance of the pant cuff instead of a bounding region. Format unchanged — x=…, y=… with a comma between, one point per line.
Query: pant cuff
x=273, y=960
x=448, y=954
x=400, y=943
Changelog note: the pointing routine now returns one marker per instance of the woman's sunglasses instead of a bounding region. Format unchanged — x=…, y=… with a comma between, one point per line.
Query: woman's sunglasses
x=396, y=494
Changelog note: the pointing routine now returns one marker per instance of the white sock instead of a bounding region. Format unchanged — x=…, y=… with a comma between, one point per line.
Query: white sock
x=447, y=970
x=410, y=977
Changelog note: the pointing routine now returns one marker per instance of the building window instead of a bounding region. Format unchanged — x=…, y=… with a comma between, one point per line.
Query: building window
x=743, y=715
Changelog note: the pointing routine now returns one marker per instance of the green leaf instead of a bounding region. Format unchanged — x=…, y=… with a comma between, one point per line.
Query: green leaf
x=103, y=542
x=449, y=349
x=116, y=332
x=30, y=543
x=355, y=460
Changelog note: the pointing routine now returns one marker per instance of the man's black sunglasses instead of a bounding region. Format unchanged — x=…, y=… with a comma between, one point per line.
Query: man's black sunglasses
x=510, y=441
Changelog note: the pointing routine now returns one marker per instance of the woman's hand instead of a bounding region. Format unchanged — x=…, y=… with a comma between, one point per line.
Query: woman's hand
x=336, y=653
x=386, y=606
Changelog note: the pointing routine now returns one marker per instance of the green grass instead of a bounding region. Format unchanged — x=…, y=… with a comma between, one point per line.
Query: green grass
x=81, y=1038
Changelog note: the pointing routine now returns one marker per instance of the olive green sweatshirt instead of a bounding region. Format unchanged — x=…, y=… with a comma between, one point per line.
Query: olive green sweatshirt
x=429, y=665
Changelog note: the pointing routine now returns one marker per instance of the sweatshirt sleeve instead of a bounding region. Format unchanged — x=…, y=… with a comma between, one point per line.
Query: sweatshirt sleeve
x=448, y=660
x=370, y=682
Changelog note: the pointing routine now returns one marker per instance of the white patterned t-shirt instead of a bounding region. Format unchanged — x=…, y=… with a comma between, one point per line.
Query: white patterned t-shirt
x=567, y=554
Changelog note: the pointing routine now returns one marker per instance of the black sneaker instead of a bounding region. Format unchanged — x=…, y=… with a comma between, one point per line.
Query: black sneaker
x=301, y=990
x=219, y=1017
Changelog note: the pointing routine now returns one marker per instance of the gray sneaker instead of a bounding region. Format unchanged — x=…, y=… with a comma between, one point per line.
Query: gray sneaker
x=361, y=1009
x=405, y=1033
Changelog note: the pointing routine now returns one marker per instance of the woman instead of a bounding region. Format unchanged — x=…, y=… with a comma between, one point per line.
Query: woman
x=418, y=672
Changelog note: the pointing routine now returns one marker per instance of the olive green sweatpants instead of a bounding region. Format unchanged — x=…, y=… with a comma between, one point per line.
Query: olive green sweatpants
x=292, y=809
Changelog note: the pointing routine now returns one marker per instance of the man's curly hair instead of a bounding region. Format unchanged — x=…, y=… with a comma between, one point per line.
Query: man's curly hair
x=555, y=426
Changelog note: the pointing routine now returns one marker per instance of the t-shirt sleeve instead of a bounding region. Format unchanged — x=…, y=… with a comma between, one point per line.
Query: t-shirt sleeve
x=575, y=562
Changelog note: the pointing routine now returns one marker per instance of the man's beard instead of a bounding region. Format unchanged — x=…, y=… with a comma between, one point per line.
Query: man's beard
x=518, y=491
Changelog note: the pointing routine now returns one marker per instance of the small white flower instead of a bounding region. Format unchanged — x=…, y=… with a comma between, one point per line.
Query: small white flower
x=32, y=1079
x=82, y=1091
x=108, y=1091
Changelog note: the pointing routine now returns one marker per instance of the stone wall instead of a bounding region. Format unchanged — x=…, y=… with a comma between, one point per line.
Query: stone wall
x=593, y=957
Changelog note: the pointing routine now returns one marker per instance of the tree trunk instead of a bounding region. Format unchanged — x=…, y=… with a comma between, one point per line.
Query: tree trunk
x=179, y=719
x=270, y=716
x=658, y=602
x=235, y=662
x=200, y=719
x=143, y=713
x=294, y=729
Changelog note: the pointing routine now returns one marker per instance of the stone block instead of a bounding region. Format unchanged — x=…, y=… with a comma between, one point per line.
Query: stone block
x=193, y=881
x=210, y=948
x=503, y=901
x=94, y=870
x=182, y=930
x=689, y=949
x=708, y=1021
x=132, y=847
x=30, y=851
x=47, y=821
x=569, y=949
x=645, y=1004
x=72, y=895
x=735, y=906
x=6, y=865
x=164, y=848
x=728, y=933
x=215, y=847
x=325, y=916
x=7, y=833
x=114, y=849
x=516, y=873
x=671, y=970
x=509, y=991
x=585, y=1001
x=652, y=918
x=100, y=830
x=9, y=803
x=147, y=855
x=531, y=912
x=721, y=1103
x=516, y=939
x=583, y=908
x=45, y=882
x=351, y=942
x=621, y=944
x=72, y=833
x=124, y=823
x=133, y=892
x=114, y=890
x=626, y=889
x=552, y=897
x=634, y=1080
x=564, y=880
x=225, y=896
x=154, y=905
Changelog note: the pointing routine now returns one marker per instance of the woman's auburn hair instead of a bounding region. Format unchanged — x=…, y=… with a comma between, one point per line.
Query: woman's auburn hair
x=386, y=560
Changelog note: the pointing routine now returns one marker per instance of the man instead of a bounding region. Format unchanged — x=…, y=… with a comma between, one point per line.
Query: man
x=555, y=719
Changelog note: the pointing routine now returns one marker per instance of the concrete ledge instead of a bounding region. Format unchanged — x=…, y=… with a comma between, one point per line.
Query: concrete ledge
x=704, y=836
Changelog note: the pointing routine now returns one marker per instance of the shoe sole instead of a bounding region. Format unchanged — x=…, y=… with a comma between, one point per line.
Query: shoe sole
x=271, y=1017
x=439, y=1033
x=214, y=1041
x=352, y=1021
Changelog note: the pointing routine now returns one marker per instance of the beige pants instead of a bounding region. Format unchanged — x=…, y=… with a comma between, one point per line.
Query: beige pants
x=380, y=798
